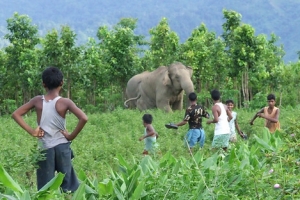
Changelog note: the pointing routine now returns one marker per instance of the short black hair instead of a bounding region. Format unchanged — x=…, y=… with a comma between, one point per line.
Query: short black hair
x=215, y=95
x=229, y=101
x=147, y=118
x=52, y=77
x=192, y=96
x=271, y=97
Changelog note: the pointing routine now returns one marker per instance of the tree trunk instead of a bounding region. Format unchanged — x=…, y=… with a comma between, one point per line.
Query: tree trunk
x=245, y=87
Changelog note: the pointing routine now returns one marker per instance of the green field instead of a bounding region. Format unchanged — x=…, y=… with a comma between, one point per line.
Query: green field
x=108, y=157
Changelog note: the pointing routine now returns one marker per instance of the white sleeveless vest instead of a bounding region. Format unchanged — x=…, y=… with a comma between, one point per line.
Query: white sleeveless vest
x=222, y=127
x=52, y=123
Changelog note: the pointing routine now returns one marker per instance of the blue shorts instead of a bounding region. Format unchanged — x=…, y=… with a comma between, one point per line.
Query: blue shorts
x=195, y=135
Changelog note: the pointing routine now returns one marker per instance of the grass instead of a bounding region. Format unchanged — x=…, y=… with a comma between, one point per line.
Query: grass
x=108, y=135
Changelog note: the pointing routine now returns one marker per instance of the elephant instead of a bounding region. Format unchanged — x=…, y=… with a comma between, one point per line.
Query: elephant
x=162, y=88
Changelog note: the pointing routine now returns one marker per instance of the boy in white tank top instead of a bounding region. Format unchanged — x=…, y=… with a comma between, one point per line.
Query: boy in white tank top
x=51, y=110
x=221, y=119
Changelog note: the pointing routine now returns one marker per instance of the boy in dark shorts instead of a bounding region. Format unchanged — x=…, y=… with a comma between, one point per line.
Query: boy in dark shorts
x=51, y=110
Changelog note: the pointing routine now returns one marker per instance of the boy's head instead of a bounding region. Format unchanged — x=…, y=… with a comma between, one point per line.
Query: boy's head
x=52, y=78
x=271, y=97
x=192, y=96
x=230, y=104
x=147, y=119
x=215, y=95
x=271, y=100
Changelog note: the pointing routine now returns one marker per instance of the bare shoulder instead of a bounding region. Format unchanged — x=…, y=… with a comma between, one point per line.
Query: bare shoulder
x=65, y=100
x=65, y=104
x=37, y=98
x=36, y=101
x=215, y=107
x=149, y=127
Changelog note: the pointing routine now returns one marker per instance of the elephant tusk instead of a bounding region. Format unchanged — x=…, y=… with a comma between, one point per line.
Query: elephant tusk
x=135, y=98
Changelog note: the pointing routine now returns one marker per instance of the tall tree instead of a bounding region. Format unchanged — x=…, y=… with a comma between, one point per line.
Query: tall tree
x=94, y=73
x=21, y=55
x=205, y=53
x=246, y=51
x=120, y=48
x=61, y=50
x=164, y=45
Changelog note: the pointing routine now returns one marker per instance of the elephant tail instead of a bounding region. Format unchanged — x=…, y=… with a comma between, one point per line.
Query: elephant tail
x=131, y=99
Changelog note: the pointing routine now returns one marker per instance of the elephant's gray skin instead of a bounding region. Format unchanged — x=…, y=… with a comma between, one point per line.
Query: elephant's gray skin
x=163, y=88
x=132, y=88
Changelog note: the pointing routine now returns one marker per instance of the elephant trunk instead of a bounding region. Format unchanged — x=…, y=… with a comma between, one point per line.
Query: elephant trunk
x=188, y=87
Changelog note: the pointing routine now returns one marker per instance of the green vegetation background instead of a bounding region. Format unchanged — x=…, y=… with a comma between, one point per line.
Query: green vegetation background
x=110, y=134
x=272, y=16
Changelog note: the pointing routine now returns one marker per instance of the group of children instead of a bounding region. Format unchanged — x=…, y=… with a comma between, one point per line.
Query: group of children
x=55, y=140
x=224, y=118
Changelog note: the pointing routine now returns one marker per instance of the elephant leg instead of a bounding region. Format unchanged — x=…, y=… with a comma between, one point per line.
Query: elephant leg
x=177, y=105
x=164, y=105
x=141, y=105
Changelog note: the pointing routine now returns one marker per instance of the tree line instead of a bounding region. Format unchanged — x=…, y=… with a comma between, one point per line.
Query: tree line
x=245, y=67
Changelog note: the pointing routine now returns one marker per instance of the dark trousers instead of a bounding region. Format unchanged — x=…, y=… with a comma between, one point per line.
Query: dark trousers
x=58, y=158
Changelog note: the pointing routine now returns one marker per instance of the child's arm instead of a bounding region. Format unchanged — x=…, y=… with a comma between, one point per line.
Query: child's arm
x=82, y=119
x=228, y=113
x=17, y=116
x=185, y=119
x=183, y=122
x=205, y=114
x=237, y=126
x=274, y=120
x=256, y=115
x=150, y=132
x=215, y=115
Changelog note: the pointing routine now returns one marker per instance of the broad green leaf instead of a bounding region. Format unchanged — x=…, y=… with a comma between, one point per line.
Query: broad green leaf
x=122, y=162
x=81, y=175
x=106, y=188
x=176, y=168
x=7, y=181
x=54, y=183
x=26, y=195
x=80, y=192
x=266, y=135
x=8, y=197
x=263, y=143
x=234, y=180
x=210, y=161
x=89, y=190
x=124, y=187
x=138, y=191
x=133, y=181
x=118, y=194
x=198, y=157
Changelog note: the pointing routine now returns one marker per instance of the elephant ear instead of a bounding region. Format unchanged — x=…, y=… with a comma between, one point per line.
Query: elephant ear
x=190, y=69
x=166, y=78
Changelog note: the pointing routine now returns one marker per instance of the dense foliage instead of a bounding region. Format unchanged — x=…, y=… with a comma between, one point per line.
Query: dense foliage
x=272, y=16
x=110, y=165
x=244, y=66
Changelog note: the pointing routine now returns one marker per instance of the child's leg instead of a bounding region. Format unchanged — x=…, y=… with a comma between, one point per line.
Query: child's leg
x=46, y=169
x=202, y=138
x=63, y=161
